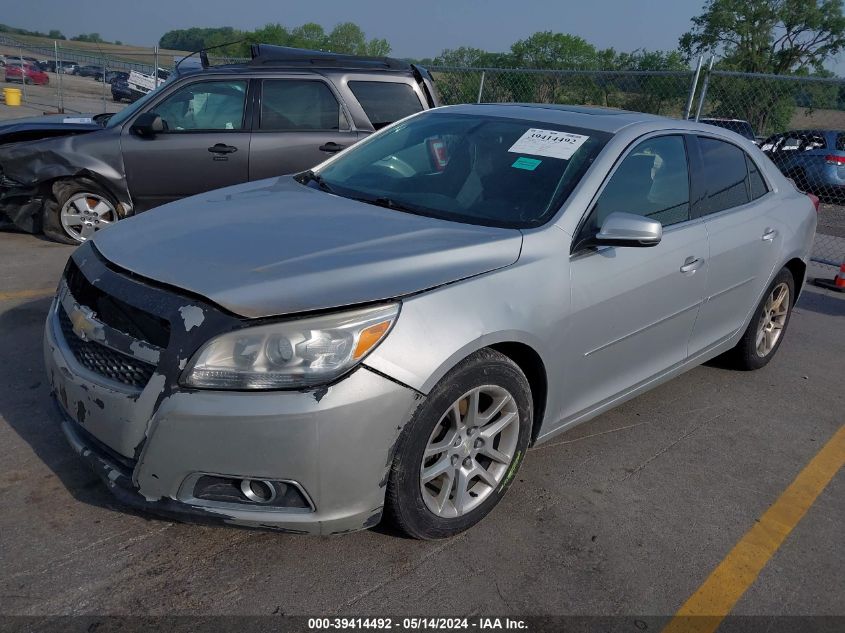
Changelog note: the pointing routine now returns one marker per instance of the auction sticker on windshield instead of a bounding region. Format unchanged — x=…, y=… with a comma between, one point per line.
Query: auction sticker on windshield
x=551, y=143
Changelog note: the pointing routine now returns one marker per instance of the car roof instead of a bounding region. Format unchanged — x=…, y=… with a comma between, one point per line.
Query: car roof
x=589, y=117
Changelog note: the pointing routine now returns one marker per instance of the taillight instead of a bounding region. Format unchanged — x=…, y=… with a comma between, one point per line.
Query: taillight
x=832, y=159
x=814, y=200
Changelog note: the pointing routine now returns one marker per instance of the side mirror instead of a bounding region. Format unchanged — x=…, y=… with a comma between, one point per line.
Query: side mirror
x=627, y=229
x=148, y=125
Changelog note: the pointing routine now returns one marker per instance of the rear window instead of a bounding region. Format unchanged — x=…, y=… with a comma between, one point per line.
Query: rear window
x=385, y=102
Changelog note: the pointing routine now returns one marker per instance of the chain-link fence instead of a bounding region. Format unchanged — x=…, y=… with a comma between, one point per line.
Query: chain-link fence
x=799, y=122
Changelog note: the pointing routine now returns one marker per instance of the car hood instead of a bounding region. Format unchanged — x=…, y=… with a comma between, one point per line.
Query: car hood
x=276, y=247
x=41, y=127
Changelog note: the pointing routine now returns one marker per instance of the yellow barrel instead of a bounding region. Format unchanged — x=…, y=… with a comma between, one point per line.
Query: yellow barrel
x=12, y=96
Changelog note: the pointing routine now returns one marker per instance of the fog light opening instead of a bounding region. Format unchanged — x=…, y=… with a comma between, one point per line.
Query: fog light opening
x=258, y=491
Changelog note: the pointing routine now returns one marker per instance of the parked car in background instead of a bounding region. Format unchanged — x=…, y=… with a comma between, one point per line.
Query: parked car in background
x=90, y=70
x=741, y=127
x=284, y=111
x=30, y=74
x=813, y=159
x=63, y=66
x=120, y=91
x=397, y=326
x=112, y=75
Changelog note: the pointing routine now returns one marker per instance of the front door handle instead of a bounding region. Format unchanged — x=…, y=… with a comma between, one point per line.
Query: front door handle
x=769, y=235
x=331, y=146
x=691, y=264
x=222, y=148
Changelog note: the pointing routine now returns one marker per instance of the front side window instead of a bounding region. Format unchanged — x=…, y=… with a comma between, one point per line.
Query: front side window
x=385, y=102
x=289, y=105
x=204, y=105
x=652, y=181
x=486, y=170
x=724, y=173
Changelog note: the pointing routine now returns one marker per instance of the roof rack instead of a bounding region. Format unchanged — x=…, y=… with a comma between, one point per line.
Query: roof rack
x=272, y=55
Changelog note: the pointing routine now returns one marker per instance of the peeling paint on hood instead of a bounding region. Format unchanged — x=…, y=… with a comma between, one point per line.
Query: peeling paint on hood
x=276, y=247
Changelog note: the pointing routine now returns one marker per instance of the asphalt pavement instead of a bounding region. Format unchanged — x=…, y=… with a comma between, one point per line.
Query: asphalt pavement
x=627, y=514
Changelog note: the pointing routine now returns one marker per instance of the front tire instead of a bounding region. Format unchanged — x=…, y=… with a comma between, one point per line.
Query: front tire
x=77, y=210
x=765, y=332
x=459, y=453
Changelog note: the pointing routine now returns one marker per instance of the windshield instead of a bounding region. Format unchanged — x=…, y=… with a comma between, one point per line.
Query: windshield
x=468, y=168
x=132, y=108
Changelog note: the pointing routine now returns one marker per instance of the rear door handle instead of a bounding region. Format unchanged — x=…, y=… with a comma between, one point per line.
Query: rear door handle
x=691, y=264
x=770, y=235
x=331, y=146
x=222, y=148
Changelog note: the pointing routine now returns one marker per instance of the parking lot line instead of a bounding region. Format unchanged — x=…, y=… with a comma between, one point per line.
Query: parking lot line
x=716, y=597
x=27, y=294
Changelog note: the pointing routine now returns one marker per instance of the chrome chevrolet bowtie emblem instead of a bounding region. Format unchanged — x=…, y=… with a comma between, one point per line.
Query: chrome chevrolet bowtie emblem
x=83, y=322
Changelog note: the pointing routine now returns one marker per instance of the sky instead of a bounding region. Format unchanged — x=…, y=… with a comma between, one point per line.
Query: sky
x=414, y=29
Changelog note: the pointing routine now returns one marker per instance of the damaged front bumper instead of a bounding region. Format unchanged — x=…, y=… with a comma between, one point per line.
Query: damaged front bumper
x=20, y=207
x=154, y=444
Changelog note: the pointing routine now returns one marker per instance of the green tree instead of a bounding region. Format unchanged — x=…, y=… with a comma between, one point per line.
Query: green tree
x=55, y=34
x=545, y=49
x=768, y=36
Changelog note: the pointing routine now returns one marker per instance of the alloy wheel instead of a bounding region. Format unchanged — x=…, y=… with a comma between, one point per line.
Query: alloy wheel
x=84, y=213
x=773, y=319
x=469, y=451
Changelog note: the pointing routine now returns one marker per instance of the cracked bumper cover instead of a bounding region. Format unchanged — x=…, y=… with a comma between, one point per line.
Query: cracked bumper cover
x=335, y=442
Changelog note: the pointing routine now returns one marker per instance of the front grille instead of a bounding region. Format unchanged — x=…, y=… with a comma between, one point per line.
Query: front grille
x=104, y=360
x=113, y=312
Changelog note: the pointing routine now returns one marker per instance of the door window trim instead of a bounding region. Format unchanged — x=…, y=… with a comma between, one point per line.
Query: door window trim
x=575, y=247
x=259, y=93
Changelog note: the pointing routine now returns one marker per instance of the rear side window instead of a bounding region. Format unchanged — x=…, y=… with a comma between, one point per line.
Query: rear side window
x=724, y=174
x=840, y=142
x=755, y=180
x=289, y=105
x=385, y=102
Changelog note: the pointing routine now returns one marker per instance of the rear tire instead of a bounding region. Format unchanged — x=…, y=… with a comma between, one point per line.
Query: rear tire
x=459, y=453
x=765, y=332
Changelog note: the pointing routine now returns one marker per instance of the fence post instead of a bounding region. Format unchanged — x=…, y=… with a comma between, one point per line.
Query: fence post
x=59, y=107
x=104, y=84
x=692, y=87
x=481, y=86
x=155, y=69
x=704, y=87
x=23, y=76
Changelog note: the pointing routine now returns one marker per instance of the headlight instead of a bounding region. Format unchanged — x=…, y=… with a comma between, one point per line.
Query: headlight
x=291, y=354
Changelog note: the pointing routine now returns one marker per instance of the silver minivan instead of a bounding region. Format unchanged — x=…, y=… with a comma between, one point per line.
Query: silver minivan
x=389, y=333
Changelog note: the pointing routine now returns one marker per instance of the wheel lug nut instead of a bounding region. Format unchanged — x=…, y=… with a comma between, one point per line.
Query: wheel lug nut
x=479, y=443
x=455, y=460
x=468, y=462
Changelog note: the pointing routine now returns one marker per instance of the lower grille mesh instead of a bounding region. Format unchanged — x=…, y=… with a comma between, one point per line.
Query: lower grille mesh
x=103, y=360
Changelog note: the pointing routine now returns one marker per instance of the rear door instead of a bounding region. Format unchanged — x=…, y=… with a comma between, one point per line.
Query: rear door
x=744, y=240
x=205, y=146
x=298, y=123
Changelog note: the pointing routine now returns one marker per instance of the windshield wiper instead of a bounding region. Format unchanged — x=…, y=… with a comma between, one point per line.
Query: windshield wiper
x=389, y=203
x=310, y=176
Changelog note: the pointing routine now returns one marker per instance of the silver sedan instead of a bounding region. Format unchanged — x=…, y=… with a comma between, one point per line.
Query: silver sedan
x=389, y=333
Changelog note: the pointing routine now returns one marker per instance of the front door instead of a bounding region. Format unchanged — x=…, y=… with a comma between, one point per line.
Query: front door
x=634, y=308
x=205, y=145
x=300, y=124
